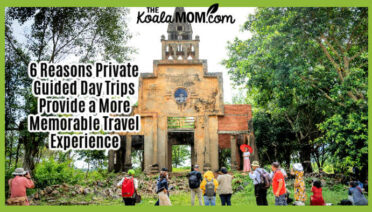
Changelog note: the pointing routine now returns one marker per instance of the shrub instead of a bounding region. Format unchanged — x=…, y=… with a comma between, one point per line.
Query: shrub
x=50, y=172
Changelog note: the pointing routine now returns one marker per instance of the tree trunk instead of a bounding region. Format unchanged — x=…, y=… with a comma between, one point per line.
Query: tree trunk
x=10, y=150
x=28, y=159
x=305, y=156
x=111, y=158
x=17, y=154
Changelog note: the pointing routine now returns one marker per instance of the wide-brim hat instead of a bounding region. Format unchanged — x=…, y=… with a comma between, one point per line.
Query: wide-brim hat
x=19, y=171
x=298, y=167
x=255, y=163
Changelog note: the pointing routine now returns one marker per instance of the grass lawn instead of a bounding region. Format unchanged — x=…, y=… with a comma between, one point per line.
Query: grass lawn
x=246, y=198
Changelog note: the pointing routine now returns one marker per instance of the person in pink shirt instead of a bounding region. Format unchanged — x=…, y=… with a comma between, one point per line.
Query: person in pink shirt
x=17, y=187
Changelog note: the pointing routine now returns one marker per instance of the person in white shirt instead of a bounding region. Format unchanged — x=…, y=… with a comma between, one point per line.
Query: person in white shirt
x=129, y=189
x=259, y=189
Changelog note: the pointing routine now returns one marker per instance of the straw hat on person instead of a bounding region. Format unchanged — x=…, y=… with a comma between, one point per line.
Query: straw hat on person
x=19, y=171
x=256, y=163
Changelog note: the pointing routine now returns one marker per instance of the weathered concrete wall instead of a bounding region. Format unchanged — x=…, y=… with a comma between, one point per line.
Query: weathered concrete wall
x=156, y=93
x=204, y=102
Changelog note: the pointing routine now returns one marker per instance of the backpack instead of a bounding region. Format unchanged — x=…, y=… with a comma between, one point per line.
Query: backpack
x=127, y=188
x=265, y=179
x=345, y=202
x=194, y=181
x=209, y=188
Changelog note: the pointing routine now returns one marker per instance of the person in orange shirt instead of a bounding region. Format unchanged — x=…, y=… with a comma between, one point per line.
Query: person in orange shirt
x=278, y=184
x=17, y=187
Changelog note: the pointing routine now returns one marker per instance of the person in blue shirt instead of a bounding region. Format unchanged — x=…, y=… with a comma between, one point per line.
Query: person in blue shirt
x=162, y=183
x=357, y=195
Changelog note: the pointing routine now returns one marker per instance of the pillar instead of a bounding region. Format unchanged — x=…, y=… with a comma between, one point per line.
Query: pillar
x=148, y=144
x=128, y=153
x=155, y=164
x=207, y=157
x=199, y=143
x=162, y=141
x=169, y=149
x=213, y=142
x=111, y=160
x=233, y=152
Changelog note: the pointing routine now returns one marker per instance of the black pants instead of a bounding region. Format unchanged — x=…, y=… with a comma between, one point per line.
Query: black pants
x=129, y=201
x=225, y=199
x=260, y=195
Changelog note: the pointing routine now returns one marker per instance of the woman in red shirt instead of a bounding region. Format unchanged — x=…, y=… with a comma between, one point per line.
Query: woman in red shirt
x=317, y=197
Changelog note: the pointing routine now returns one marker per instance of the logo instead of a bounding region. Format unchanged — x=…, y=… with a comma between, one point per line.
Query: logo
x=209, y=17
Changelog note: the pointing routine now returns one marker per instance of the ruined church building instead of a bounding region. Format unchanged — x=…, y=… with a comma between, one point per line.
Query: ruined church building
x=181, y=103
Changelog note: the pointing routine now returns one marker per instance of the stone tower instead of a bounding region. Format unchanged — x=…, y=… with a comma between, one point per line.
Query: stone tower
x=180, y=44
x=179, y=30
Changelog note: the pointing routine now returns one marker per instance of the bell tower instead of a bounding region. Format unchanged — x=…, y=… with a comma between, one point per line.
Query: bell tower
x=180, y=45
x=179, y=30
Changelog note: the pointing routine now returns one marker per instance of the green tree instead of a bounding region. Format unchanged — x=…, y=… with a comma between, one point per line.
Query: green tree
x=55, y=34
x=306, y=65
x=94, y=158
x=180, y=153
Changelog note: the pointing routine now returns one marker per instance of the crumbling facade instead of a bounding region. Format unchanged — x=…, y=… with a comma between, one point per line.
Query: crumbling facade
x=182, y=103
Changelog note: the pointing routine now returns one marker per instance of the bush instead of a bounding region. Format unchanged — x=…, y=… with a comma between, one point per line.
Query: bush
x=50, y=172
x=8, y=175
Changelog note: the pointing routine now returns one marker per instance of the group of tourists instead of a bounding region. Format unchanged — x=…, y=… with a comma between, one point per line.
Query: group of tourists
x=206, y=187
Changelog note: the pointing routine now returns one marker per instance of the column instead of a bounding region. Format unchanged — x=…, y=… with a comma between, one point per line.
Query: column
x=162, y=142
x=213, y=141
x=128, y=153
x=233, y=152
x=199, y=144
x=148, y=144
x=155, y=164
x=207, y=157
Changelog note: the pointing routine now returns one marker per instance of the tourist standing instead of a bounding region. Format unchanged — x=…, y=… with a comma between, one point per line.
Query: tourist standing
x=224, y=187
x=17, y=187
x=129, y=186
x=209, y=187
x=357, y=195
x=299, y=184
x=162, y=188
x=278, y=185
x=247, y=162
x=260, y=179
x=317, y=197
x=195, y=178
